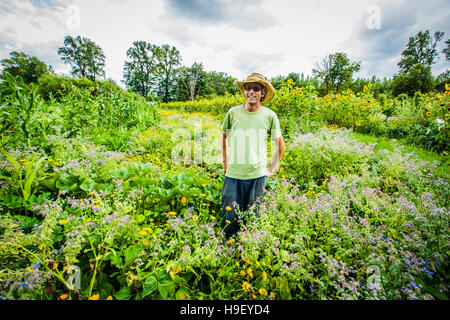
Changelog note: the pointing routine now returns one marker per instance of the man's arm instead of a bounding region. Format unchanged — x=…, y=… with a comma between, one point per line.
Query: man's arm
x=224, y=150
x=279, y=143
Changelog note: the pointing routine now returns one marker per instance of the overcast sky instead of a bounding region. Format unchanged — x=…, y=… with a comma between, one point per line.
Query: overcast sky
x=272, y=37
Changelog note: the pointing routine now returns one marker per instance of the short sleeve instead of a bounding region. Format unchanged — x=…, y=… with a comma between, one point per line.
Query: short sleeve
x=275, y=128
x=226, y=125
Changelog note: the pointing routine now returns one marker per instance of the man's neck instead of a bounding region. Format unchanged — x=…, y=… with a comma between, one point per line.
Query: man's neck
x=253, y=107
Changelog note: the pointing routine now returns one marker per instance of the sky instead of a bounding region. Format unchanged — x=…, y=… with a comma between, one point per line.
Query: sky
x=272, y=37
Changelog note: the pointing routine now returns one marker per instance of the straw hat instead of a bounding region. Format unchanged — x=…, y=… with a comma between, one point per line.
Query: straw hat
x=258, y=78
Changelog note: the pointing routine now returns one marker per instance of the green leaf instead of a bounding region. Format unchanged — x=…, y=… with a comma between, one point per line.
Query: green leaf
x=182, y=294
x=123, y=294
x=115, y=259
x=130, y=254
x=150, y=286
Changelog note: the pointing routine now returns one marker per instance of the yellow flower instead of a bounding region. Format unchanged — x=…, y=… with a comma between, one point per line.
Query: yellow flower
x=264, y=275
x=447, y=87
x=183, y=201
x=172, y=213
x=428, y=113
x=263, y=292
x=195, y=218
x=202, y=195
x=143, y=233
x=254, y=296
x=272, y=296
x=145, y=243
x=231, y=240
x=63, y=296
x=109, y=298
x=212, y=217
x=257, y=263
x=228, y=208
x=204, y=185
x=94, y=297
x=64, y=221
x=243, y=273
x=246, y=286
x=250, y=272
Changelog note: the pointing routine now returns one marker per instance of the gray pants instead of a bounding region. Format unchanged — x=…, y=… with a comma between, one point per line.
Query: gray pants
x=244, y=193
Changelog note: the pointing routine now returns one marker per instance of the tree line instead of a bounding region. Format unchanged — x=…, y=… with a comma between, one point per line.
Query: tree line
x=156, y=72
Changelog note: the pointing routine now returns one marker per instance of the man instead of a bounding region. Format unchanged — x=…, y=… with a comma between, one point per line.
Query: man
x=244, y=140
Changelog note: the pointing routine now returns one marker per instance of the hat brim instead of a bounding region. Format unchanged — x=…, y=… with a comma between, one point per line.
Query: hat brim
x=270, y=89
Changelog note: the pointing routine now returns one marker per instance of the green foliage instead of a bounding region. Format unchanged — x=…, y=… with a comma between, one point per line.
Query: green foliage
x=25, y=66
x=85, y=57
x=417, y=78
x=336, y=71
x=140, y=71
x=53, y=86
x=420, y=49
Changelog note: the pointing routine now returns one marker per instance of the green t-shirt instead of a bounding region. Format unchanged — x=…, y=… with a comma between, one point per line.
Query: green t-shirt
x=247, y=141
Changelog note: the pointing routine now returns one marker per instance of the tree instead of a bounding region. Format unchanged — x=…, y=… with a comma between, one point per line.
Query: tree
x=217, y=83
x=139, y=72
x=85, y=57
x=421, y=48
x=336, y=71
x=189, y=79
x=322, y=70
x=446, y=50
x=20, y=64
x=418, y=78
x=168, y=59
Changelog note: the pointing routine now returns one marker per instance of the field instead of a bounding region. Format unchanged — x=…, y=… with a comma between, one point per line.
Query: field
x=106, y=196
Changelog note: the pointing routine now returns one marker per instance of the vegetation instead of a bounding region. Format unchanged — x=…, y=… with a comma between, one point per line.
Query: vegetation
x=110, y=194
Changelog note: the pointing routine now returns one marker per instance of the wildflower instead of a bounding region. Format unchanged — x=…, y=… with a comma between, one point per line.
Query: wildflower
x=109, y=298
x=183, y=201
x=195, y=218
x=246, y=286
x=257, y=263
x=228, y=208
x=263, y=292
x=264, y=275
x=254, y=296
x=94, y=297
x=212, y=217
x=63, y=296
x=428, y=113
x=145, y=243
x=242, y=273
x=250, y=272
x=172, y=213
x=143, y=233
x=272, y=296
x=64, y=221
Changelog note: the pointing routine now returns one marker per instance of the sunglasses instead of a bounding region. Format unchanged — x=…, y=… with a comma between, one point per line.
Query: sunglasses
x=254, y=88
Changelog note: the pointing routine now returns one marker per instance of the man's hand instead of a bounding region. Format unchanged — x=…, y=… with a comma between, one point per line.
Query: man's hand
x=269, y=172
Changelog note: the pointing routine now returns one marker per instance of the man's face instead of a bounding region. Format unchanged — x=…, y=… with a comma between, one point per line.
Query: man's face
x=253, y=92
